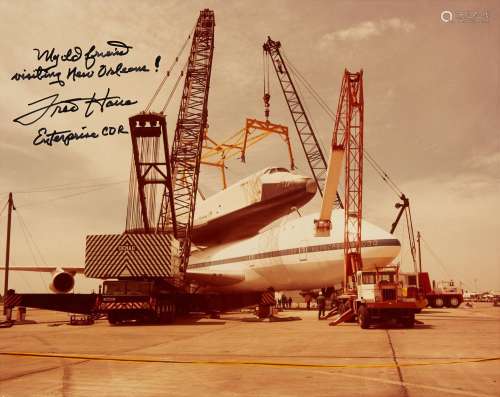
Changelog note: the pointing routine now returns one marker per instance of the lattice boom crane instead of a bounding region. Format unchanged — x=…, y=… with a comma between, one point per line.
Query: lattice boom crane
x=188, y=138
x=315, y=158
x=177, y=172
x=347, y=141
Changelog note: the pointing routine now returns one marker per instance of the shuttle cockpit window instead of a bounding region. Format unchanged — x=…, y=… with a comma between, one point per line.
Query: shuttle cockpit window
x=276, y=169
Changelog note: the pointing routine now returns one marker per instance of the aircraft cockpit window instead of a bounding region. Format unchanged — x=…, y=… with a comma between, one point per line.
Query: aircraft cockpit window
x=276, y=169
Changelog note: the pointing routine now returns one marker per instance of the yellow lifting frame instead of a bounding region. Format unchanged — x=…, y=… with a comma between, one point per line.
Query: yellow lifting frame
x=215, y=154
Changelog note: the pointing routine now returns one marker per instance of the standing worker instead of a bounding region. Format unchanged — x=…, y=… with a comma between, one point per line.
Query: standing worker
x=283, y=301
x=321, y=301
x=308, y=301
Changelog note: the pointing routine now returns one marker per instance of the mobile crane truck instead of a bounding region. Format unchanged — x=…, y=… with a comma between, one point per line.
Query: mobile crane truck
x=369, y=296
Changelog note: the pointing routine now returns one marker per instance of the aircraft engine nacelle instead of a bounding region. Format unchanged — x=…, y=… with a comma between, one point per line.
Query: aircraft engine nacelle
x=62, y=282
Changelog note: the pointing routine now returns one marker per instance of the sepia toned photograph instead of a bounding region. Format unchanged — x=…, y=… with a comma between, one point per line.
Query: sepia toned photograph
x=250, y=198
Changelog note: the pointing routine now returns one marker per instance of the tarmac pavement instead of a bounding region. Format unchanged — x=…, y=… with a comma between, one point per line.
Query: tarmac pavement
x=455, y=352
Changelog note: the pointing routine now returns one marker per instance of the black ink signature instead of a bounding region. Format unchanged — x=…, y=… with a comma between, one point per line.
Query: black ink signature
x=51, y=106
x=118, y=70
x=40, y=73
x=75, y=54
x=121, y=49
x=66, y=136
x=72, y=55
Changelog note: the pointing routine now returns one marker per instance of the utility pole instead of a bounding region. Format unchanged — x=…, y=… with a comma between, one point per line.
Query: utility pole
x=419, y=253
x=7, y=250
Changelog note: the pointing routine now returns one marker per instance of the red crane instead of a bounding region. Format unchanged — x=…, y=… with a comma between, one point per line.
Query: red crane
x=349, y=130
x=178, y=172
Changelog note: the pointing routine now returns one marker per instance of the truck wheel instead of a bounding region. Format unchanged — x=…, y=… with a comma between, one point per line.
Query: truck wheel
x=363, y=317
x=112, y=319
x=454, y=302
x=171, y=313
x=439, y=302
x=409, y=322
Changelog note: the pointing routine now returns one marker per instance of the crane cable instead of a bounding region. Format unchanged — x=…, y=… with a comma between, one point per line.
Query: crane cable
x=264, y=59
x=434, y=255
x=265, y=64
x=309, y=87
x=441, y=262
x=169, y=71
x=172, y=91
x=326, y=108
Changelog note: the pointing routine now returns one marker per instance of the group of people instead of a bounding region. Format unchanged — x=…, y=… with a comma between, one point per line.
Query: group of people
x=284, y=302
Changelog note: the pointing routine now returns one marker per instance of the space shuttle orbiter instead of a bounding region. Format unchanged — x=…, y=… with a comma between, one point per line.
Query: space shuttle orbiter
x=249, y=205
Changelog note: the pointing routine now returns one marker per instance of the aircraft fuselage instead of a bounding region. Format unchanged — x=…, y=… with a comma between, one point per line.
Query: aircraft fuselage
x=290, y=256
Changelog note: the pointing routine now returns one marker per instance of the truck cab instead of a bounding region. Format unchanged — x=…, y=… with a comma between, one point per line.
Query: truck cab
x=387, y=294
x=378, y=286
x=136, y=300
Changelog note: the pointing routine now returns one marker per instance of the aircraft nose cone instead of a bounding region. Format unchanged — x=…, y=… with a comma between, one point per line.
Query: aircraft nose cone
x=311, y=186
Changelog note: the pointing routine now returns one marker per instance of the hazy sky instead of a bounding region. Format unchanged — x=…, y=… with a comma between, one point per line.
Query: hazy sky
x=431, y=114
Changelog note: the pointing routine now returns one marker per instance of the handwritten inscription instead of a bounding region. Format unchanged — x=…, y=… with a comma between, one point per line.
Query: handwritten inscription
x=72, y=65
x=52, y=70
x=45, y=137
x=51, y=106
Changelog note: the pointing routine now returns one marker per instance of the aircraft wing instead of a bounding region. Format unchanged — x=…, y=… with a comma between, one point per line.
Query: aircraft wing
x=52, y=269
x=214, y=279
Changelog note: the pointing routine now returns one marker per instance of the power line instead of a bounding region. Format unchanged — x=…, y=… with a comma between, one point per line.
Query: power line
x=68, y=196
x=3, y=209
x=65, y=187
x=69, y=185
x=30, y=242
x=31, y=236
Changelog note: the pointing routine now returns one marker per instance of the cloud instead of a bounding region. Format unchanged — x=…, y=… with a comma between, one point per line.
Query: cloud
x=368, y=29
x=485, y=162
